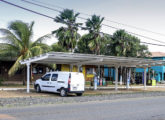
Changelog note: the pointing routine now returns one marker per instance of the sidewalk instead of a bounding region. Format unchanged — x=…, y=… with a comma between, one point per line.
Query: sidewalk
x=91, y=87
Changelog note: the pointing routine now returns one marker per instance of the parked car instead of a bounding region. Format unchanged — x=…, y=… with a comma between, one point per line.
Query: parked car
x=61, y=82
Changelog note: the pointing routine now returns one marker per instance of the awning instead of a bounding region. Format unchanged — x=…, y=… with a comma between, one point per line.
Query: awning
x=90, y=59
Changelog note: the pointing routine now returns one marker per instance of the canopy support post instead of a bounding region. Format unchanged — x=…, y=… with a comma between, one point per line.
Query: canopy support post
x=116, y=78
x=28, y=77
x=71, y=68
x=121, y=76
x=128, y=78
x=145, y=78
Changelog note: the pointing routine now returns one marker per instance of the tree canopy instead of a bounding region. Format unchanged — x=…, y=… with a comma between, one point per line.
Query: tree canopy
x=17, y=42
x=95, y=38
x=68, y=35
x=124, y=44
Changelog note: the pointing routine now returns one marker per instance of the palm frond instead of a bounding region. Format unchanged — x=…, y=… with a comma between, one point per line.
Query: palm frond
x=41, y=39
x=15, y=67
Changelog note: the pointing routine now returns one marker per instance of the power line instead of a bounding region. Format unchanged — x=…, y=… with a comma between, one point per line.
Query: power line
x=153, y=44
x=26, y=9
x=123, y=24
x=53, y=18
x=135, y=34
x=41, y=6
x=86, y=19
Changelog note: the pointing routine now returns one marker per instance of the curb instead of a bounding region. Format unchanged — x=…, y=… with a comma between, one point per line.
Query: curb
x=90, y=88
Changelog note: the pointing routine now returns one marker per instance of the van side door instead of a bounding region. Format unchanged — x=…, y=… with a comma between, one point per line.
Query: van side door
x=45, y=81
x=53, y=82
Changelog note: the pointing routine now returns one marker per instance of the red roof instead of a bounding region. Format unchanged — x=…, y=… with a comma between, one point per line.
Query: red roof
x=157, y=54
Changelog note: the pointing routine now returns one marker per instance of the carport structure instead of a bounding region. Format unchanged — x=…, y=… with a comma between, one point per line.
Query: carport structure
x=91, y=59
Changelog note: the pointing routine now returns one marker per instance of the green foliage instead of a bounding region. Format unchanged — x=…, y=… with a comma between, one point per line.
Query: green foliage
x=17, y=43
x=68, y=35
x=57, y=48
x=82, y=45
x=124, y=44
x=96, y=39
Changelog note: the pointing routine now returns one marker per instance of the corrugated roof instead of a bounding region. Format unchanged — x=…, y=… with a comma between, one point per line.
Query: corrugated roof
x=90, y=59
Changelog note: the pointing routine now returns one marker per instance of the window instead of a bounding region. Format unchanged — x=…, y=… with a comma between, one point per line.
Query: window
x=37, y=70
x=54, y=77
x=89, y=70
x=34, y=71
x=40, y=70
x=46, y=77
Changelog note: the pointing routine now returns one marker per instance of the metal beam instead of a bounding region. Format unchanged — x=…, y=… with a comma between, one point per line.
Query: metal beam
x=89, y=61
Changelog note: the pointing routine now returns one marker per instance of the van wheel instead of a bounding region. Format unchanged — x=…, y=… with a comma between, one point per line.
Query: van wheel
x=63, y=92
x=38, y=89
x=79, y=94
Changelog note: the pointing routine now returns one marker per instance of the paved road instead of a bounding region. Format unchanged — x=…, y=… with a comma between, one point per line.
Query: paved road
x=152, y=108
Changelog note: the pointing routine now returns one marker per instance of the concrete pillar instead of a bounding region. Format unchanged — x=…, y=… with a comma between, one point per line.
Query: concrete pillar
x=121, y=76
x=116, y=78
x=128, y=78
x=71, y=68
x=149, y=75
x=162, y=76
x=145, y=78
x=78, y=68
x=99, y=71
x=28, y=77
x=96, y=78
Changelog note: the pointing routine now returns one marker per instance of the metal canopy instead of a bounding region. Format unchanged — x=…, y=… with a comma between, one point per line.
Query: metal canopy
x=91, y=59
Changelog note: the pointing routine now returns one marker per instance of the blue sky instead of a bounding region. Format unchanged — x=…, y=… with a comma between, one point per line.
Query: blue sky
x=147, y=14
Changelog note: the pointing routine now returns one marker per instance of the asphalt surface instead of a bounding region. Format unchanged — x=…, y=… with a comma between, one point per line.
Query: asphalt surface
x=149, y=108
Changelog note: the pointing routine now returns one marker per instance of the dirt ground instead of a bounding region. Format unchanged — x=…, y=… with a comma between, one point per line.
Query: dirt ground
x=22, y=93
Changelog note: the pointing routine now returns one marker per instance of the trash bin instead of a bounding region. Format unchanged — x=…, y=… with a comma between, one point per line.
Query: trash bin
x=149, y=82
x=153, y=83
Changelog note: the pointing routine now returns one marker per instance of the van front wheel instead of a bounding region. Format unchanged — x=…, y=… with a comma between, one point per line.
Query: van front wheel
x=38, y=89
x=63, y=92
x=79, y=94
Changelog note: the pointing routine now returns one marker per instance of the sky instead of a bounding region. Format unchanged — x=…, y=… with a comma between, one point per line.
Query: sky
x=146, y=14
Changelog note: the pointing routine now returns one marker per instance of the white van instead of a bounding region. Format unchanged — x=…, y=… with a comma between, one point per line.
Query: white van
x=61, y=82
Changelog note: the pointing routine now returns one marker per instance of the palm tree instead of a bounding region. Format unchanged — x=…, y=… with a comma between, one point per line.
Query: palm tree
x=83, y=45
x=68, y=35
x=120, y=43
x=96, y=38
x=124, y=44
x=18, y=44
x=57, y=48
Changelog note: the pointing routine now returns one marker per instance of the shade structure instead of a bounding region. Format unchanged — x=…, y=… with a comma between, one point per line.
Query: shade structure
x=91, y=59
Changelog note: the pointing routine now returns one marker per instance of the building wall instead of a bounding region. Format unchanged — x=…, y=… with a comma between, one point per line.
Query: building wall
x=88, y=77
x=159, y=70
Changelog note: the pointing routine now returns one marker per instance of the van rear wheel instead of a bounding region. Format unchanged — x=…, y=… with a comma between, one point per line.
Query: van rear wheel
x=63, y=92
x=79, y=94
